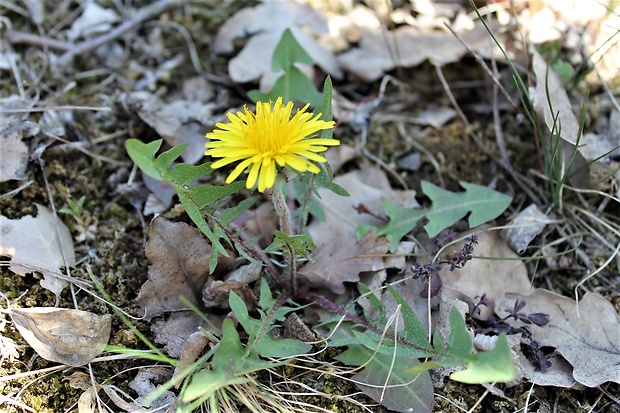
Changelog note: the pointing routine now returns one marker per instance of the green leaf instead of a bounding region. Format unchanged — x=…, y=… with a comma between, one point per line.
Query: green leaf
x=414, y=331
x=324, y=179
x=406, y=391
x=231, y=213
x=196, y=199
x=447, y=208
x=402, y=221
x=293, y=85
x=204, y=195
x=325, y=107
x=206, y=382
x=424, y=366
x=164, y=161
x=373, y=342
x=494, y=366
x=143, y=155
x=387, y=381
x=381, y=318
x=459, y=341
x=231, y=356
x=267, y=302
x=301, y=245
x=484, y=203
x=185, y=173
x=288, y=51
x=259, y=337
x=229, y=351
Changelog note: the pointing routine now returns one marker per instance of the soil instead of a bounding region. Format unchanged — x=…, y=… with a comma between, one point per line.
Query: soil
x=113, y=248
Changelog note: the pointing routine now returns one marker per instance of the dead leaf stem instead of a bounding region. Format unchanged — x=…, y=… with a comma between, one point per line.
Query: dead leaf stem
x=271, y=269
x=328, y=305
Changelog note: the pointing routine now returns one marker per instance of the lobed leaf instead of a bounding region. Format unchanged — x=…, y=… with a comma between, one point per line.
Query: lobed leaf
x=259, y=338
x=483, y=204
x=195, y=199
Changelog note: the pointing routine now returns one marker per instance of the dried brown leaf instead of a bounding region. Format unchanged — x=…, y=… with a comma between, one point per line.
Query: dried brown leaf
x=34, y=245
x=261, y=222
x=178, y=121
x=67, y=336
x=367, y=187
x=380, y=52
x=496, y=272
x=551, y=102
x=174, y=331
x=216, y=294
x=586, y=334
x=147, y=381
x=180, y=257
x=335, y=266
x=13, y=152
x=560, y=374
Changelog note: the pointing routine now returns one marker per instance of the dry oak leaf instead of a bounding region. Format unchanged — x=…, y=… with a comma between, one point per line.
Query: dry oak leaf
x=586, y=334
x=494, y=270
x=180, y=257
x=368, y=187
x=34, y=245
x=380, y=52
x=66, y=336
x=335, y=266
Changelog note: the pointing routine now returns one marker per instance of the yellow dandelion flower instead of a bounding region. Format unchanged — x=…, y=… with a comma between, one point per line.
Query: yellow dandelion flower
x=269, y=137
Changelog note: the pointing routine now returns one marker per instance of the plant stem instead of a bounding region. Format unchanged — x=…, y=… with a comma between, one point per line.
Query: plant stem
x=286, y=226
x=328, y=305
x=279, y=203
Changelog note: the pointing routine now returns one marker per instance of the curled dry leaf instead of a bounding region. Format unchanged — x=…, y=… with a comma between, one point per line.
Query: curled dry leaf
x=586, y=334
x=66, y=336
x=180, y=257
x=216, y=294
x=335, y=266
x=175, y=331
x=93, y=20
x=525, y=227
x=34, y=245
x=194, y=346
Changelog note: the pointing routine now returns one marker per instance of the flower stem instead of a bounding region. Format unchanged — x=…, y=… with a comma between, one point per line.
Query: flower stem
x=286, y=226
x=281, y=208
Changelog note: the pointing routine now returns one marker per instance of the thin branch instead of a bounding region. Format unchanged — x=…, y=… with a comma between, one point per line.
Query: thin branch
x=143, y=14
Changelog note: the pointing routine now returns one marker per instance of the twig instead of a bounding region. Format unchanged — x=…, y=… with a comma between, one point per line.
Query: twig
x=482, y=63
x=15, y=37
x=143, y=14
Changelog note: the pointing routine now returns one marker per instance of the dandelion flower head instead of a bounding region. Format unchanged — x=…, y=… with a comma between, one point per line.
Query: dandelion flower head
x=268, y=138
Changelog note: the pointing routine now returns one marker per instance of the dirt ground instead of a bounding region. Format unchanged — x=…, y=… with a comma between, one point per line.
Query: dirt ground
x=89, y=160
